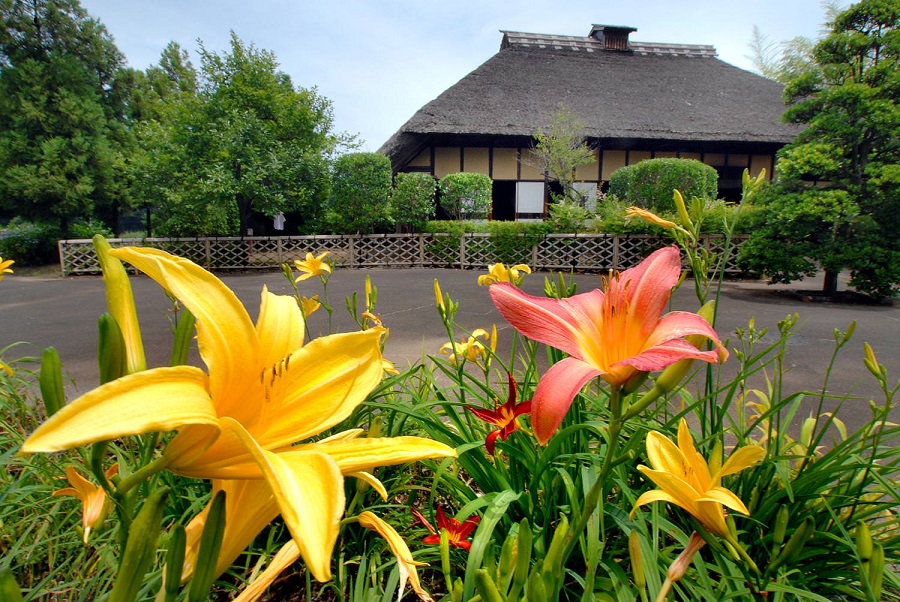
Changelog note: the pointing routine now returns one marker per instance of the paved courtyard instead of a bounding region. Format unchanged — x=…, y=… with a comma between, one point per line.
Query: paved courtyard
x=43, y=311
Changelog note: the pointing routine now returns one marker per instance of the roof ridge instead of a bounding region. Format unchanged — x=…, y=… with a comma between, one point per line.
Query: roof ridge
x=591, y=45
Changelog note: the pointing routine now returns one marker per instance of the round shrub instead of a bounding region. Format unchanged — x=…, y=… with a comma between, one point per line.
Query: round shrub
x=466, y=195
x=412, y=200
x=29, y=243
x=649, y=184
x=361, y=192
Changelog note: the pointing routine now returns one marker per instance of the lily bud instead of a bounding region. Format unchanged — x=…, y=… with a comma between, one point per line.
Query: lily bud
x=876, y=570
x=682, y=210
x=780, y=528
x=863, y=541
x=871, y=361
x=637, y=560
x=439, y=297
x=680, y=566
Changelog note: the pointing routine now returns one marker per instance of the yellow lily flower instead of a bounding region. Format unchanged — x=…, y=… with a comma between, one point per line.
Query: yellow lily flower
x=238, y=424
x=6, y=369
x=4, y=267
x=310, y=305
x=93, y=498
x=684, y=478
x=312, y=266
x=650, y=217
x=468, y=349
x=498, y=272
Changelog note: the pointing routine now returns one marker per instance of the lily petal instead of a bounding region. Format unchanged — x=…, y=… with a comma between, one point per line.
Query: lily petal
x=654, y=495
x=286, y=556
x=663, y=454
x=740, y=459
x=648, y=287
x=226, y=337
x=723, y=496
x=372, y=481
x=406, y=566
x=555, y=392
x=157, y=400
x=548, y=321
x=249, y=507
x=364, y=454
x=280, y=327
x=309, y=491
x=339, y=372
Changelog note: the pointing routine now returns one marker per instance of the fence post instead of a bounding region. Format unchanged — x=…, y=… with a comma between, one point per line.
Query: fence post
x=62, y=256
x=278, y=250
x=352, y=250
x=421, y=250
x=208, y=254
x=615, y=259
x=462, y=251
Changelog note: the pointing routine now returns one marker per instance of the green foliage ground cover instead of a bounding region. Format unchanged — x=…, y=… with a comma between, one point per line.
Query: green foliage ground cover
x=555, y=521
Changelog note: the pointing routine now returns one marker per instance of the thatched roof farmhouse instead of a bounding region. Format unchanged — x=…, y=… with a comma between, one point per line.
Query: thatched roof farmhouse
x=639, y=100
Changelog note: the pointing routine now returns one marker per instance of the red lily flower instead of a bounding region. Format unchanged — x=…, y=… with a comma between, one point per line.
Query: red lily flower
x=504, y=416
x=457, y=532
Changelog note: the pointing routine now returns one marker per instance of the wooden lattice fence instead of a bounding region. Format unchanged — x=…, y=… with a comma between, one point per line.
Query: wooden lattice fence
x=584, y=252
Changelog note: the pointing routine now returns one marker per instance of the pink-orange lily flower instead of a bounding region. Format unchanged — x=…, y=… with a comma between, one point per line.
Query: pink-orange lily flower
x=614, y=334
x=457, y=532
x=504, y=416
x=93, y=498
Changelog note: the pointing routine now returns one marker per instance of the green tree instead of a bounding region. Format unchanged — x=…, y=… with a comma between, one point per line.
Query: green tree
x=360, y=197
x=247, y=142
x=59, y=128
x=412, y=200
x=465, y=195
x=849, y=104
x=560, y=149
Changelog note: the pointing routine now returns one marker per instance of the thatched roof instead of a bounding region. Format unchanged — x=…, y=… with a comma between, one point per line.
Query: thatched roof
x=660, y=92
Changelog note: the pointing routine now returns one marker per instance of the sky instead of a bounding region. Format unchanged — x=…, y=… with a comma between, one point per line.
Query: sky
x=380, y=61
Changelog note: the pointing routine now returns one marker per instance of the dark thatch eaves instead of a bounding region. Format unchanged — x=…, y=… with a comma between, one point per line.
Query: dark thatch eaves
x=658, y=94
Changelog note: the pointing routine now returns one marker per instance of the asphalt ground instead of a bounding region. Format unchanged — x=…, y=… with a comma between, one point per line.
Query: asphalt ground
x=36, y=312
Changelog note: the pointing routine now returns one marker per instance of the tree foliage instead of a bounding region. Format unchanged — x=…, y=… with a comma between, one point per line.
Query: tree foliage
x=650, y=184
x=247, y=141
x=360, y=198
x=412, y=200
x=849, y=104
x=59, y=111
x=465, y=195
x=560, y=149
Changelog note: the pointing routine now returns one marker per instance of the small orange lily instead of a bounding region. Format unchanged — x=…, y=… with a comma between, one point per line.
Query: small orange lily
x=684, y=478
x=4, y=267
x=93, y=498
x=312, y=266
x=504, y=416
x=498, y=272
x=615, y=334
x=457, y=532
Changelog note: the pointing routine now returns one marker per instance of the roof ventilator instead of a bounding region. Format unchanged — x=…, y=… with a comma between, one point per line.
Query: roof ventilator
x=612, y=37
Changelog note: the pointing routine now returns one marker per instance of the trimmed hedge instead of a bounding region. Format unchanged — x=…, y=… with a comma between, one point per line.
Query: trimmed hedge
x=649, y=184
x=412, y=199
x=466, y=195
